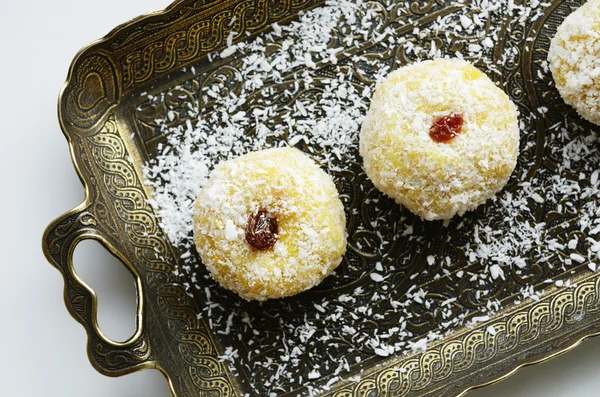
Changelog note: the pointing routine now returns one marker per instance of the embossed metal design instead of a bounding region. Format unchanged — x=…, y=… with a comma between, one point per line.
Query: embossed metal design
x=109, y=143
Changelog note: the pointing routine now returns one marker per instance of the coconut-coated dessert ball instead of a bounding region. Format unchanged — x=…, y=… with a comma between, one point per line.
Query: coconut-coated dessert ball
x=270, y=224
x=440, y=138
x=574, y=58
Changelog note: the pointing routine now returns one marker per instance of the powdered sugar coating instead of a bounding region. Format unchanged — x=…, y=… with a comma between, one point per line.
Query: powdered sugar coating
x=574, y=58
x=439, y=180
x=312, y=224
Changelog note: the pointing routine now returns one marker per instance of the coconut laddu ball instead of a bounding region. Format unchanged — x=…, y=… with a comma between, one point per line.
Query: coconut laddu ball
x=574, y=59
x=440, y=138
x=270, y=224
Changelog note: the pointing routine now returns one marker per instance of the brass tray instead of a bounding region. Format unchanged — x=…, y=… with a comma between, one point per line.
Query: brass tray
x=109, y=142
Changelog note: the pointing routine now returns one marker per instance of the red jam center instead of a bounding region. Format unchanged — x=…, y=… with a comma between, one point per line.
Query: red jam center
x=261, y=230
x=446, y=128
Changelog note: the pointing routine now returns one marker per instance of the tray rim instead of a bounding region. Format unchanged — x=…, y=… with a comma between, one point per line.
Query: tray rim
x=67, y=130
x=46, y=250
x=531, y=363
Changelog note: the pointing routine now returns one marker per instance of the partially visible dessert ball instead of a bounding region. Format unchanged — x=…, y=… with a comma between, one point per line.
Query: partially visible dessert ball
x=574, y=59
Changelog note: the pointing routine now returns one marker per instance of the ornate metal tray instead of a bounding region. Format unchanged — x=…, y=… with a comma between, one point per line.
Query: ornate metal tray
x=110, y=140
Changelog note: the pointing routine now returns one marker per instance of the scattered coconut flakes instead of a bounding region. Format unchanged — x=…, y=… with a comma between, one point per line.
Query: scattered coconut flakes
x=193, y=149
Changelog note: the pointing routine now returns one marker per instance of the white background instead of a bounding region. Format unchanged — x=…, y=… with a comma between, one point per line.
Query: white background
x=42, y=349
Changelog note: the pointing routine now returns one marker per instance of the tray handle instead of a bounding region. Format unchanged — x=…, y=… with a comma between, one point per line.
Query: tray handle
x=59, y=241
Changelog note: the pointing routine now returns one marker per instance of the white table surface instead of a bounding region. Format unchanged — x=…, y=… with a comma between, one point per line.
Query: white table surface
x=42, y=349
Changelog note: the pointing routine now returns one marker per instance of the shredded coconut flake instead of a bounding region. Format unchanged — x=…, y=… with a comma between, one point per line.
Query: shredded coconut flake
x=322, y=115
